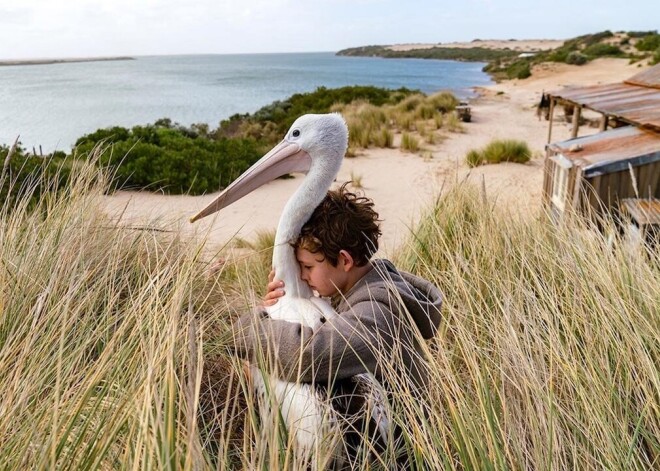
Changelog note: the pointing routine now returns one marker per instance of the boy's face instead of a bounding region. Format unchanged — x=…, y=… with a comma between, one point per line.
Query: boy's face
x=320, y=274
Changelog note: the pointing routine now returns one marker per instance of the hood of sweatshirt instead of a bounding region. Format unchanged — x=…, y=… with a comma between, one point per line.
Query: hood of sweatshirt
x=385, y=282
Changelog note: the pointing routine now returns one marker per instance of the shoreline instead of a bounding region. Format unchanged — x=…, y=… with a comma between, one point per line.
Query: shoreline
x=21, y=62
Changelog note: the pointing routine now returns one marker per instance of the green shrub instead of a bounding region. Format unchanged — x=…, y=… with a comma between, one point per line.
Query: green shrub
x=170, y=159
x=602, y=49
x=27, y=174
x=589, y=39
x=641, y=34
x=649, y=43
x=507, y=150
x=284, y=113
x=656, y=57
x=499, y=150
x=519, y=70
x=576, y=58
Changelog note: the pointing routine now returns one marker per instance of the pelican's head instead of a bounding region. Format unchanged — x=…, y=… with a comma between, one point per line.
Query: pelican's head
x=315, y=142
x=323, y=136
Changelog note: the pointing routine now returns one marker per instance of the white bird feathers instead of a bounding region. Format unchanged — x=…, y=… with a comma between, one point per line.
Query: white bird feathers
x=315, y=144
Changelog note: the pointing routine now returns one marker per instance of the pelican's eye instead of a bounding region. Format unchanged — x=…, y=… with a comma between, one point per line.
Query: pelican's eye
x=296, y=133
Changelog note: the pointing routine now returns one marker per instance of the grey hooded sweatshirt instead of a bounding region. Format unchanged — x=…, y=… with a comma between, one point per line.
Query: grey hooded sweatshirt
x=380, y=321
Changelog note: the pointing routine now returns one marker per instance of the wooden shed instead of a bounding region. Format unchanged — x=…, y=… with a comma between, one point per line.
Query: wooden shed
x=594, y=173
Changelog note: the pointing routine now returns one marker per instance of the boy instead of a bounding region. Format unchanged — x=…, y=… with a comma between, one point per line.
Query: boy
x=381, y=313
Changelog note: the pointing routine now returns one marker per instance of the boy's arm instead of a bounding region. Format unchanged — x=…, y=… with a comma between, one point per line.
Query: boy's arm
x=346, y=345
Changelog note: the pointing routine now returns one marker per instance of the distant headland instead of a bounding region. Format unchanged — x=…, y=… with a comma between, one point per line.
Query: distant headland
x=514, y=59
x=63, y=61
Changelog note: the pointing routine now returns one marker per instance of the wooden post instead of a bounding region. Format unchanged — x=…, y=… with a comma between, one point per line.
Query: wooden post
x=551, y=113
x=576, y=120
x=603, y=123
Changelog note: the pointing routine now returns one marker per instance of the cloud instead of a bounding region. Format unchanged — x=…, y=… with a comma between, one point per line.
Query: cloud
x=58, y=28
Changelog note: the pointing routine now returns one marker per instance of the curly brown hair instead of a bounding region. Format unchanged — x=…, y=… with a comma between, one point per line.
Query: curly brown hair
x=343, y=221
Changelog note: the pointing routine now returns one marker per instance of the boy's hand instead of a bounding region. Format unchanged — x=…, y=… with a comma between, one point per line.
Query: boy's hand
x=274, y=289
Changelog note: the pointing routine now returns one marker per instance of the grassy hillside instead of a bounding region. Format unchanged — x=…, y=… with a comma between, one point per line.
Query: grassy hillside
x=113, y=344
x=506, y=63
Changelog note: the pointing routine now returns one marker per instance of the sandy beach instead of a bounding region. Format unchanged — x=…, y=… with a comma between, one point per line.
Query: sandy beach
x=401, y=184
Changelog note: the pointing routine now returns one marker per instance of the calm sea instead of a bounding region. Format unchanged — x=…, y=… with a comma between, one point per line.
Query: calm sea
x=53, y=105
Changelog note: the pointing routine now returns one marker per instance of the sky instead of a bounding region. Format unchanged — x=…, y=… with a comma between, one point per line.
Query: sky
x=87, y=28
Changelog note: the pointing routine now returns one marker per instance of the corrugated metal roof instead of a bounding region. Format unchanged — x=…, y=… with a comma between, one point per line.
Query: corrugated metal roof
x=610, y=151
x=635, y=101
x=647, y=78
x=644, y=211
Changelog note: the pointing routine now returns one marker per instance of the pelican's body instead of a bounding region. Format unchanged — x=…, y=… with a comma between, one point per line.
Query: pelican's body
x=317, y=144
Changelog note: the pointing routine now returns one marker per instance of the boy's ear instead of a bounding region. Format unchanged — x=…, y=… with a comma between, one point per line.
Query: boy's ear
x=345, y=261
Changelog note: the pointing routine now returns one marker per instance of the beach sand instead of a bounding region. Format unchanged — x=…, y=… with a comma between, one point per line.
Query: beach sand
x=403, y=185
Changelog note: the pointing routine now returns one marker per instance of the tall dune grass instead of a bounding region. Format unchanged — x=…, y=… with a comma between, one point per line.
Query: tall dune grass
x=499, y=150
x=549, y=353
x=113, y=345
x=371, y=125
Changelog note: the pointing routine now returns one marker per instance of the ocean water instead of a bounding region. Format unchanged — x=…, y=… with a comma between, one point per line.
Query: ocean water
x=53, y=105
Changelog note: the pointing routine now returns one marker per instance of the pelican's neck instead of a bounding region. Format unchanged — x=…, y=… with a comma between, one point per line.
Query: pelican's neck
x=296, y=213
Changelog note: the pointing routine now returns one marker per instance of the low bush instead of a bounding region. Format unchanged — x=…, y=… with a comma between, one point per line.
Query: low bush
x=500, y=150
x=519, y=70
x=170, y=160
x=507, y=150
x=650, y=42
x=576, y=58
x=284, y=113
x=656, y=57
x=602, y=50
x=22, y=173
x=641, y=34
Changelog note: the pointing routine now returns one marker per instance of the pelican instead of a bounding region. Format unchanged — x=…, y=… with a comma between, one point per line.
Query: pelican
x=315, y=144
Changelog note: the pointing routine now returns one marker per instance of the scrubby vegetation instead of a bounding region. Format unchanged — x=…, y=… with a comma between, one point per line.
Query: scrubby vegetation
x=471, y=54
x=497, y=151
x=170, y=158
x=507, y=63
x=576, y=51
x=272, y=121
x=114, y=344
x=22, y=173
x=165, y=156
x=369, y=125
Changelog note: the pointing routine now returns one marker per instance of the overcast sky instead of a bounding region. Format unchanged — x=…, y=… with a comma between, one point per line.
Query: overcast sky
x=75, y=28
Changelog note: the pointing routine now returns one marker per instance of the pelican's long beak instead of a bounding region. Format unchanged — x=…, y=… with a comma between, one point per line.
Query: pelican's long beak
x=282, y=159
